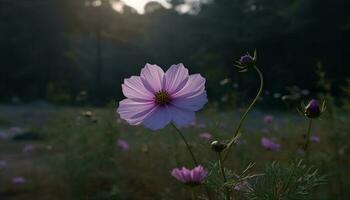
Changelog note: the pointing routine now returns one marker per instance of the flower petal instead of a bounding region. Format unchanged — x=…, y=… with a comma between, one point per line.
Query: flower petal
x=134, y=88
x=152, y=77
x=158, y=119
x=194, y=86
x=178, y=175
x=176, y=78
x=181, y=117
x=133, y=111
x=192, y=103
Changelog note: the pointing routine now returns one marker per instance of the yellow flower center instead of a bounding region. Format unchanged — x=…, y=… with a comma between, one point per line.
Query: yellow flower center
x=162, y=97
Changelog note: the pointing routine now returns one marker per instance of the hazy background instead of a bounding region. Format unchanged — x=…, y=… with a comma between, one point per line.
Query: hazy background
x=61, y=50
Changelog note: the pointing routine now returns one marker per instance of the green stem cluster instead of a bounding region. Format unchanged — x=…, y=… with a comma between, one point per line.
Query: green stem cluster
x=232, y=140
x=235, y=134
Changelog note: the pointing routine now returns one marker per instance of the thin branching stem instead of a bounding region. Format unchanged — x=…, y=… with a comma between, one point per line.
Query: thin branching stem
x=187, y=145
x=229, y=145
x=192, y=194
x=221, y=165
x=307, y=141
x=192, y=155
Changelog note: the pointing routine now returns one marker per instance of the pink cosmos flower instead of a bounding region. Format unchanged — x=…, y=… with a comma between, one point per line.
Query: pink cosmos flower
x=155, y=98
x=269, y=144
x=18, y=180
x=205, y=136
x=28, y=148
x=314, y=138
x=268, y=119
x=191, y=177
x=123, y=144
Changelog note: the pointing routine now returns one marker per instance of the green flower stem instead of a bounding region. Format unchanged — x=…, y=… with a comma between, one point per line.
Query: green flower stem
x=192, y=155
x=307, y=141
x=187, y=145
x=192, y=194
x=227, y=191
x=229, y=145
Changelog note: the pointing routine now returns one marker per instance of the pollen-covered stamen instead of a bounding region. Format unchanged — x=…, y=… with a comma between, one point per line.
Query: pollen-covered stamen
x=162, y=97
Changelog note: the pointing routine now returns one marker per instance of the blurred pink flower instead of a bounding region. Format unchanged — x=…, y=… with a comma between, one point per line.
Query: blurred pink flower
x=28, y=148
x=191, y=177
x=3, y=135
x=18, y=180
x=314, y=138
x=269, y=144
x=123, y=144
x=155, y=98
x=201, y=125
x=193, y=123
x=3, y=163
x=15, y=130
x=205, y=136
x=268, y=119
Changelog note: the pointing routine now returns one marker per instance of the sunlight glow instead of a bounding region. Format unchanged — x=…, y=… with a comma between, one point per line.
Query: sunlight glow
x=191, y=7
x=138, y=5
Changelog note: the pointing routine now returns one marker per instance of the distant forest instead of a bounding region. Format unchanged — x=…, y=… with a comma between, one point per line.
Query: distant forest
x=58, y=50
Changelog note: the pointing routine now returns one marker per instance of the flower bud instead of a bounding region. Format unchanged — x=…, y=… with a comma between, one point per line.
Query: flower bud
x=217, y=146
x=313, y=110
x=246, y=61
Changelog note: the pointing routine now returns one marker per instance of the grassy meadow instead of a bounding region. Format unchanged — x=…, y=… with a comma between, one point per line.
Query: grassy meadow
x=76, y=155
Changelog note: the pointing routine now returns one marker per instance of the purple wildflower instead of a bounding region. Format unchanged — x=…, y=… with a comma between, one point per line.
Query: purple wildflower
x=190, y=177
x=3, y=163
x=269, y=144
x=314, y=138
x=155, y=98
x=205, y=136
x=246, y=60
x=3, y=135
x=15, y=130
x=18, y=180
x=28, y=148
x=123, y=144
x=313, y=110
x=268, y=119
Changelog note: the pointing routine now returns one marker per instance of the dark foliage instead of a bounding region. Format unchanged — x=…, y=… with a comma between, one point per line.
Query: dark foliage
x=55, y=49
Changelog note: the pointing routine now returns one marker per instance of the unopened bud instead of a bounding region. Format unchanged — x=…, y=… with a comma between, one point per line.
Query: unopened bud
x=313, y=110
x=217, y=146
